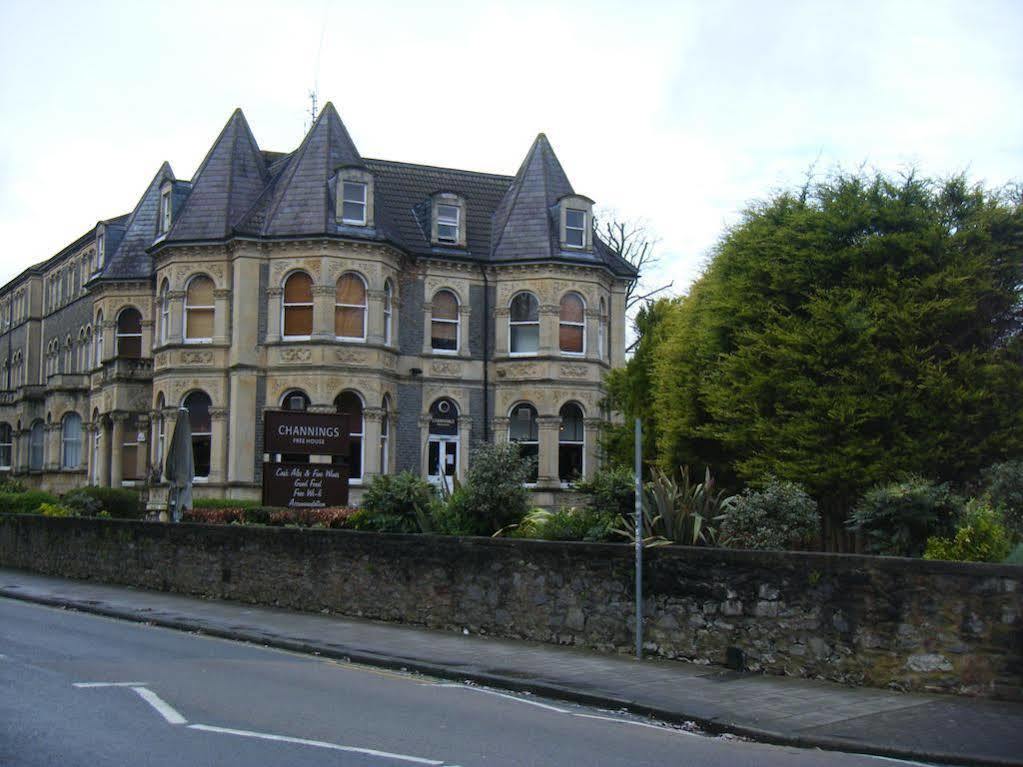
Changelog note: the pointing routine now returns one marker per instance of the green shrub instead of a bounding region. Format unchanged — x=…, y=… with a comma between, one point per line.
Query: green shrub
x=455, y=517
x=980, y=538
x=224, y=503
x=398, y=503
x=781, y=515
x=83, y=504
x=334, y=518
x=494, y=494
x=682, y=511
x=55, y=510
x=27, y=502
x=120, y=503
x=574, y=524
x=611, y=491
x=12, y=486
x=897, y=519
x=1003, y=486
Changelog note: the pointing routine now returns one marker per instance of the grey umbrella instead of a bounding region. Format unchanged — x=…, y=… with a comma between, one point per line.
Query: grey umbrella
x=179, y=467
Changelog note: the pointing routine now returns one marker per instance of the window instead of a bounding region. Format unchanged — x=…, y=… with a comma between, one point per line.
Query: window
x=444, y=322
x=161, y=434
x=350, y=406
x=165, y=212
x=71, y=441
x=575, y=228
x=524, y=324
x=524, y=430
x=198, y=406
x=571, y=443
x=101, y=251
x=164, y=311
x=297, y=402
x=572, y=324
x=199, y=310
x=353, y=203
x=6, y=446
x=98, y=429
x=447, y=223
x=388, y=311
x=385, y=433
x=129, y=333
x=442, y=455
x=350, y=308
x=130, y=452
x=298, y=306
x=68, y=356
x=99, y=339
x=35, y=447
x=602, y=349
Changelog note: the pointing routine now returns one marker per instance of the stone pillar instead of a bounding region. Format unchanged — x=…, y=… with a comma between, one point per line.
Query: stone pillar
x=52, y=458
x=222, y=316
x=117, y=449
x=244, y=301
x=88, y=432
x=243, y=423
x=617, y=329
x=592, y=334
x=464, y=430
x=371, y=417
x=273, y=316
x=427, y=328
x=501, y=315
x=375, y=320
x=104, y=455
x=501, y=425
x=547, y=474
x=147, y=338
x=219, y=445
x=324, y=299
x=464, y=324
x=549, y=314
x=109, y=340
x=176, y=321
x=591, y=450
x=143, y=462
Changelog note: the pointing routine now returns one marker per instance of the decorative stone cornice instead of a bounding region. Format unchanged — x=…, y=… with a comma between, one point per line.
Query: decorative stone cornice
x=324, y=290
x=218, y=413
x=222, y=293
x=274, y=292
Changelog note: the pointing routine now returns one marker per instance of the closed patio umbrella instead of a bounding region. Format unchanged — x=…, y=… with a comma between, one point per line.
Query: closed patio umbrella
x=179, y=467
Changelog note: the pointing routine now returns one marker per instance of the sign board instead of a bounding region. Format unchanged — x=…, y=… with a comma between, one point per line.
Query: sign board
x=305, y=485
x=300, y=433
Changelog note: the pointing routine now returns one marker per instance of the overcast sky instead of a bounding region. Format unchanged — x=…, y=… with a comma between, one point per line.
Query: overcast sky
x=679, y=113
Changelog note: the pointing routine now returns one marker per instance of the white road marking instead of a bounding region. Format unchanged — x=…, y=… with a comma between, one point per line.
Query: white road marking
x=893, y=759
x=163, y=708
x=509, y=697
x=109, y=684
x=633, y=722
x=315, y=744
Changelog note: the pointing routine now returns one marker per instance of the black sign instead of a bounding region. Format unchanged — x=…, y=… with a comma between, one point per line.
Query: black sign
x=303, y=433
x=305, y=485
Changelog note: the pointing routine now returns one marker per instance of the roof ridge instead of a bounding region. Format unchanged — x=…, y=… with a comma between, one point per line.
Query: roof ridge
x=440, y=167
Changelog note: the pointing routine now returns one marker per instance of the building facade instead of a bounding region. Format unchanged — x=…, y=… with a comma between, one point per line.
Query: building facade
x=435, y=308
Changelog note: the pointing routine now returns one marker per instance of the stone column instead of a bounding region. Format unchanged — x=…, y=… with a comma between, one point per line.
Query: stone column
x=371, y=417
x=375, y=320
x=464, y=430
x=273, y=316
x=501, y=425
x=143, y=462
x=52, y=448
x=147, y=338
x=464, y=325
x=424, y=442
x=591, y=450
x=109, y=339
x=88, y=448
x=219, y=445
x=176, y=329
x=549, y=427
x=117, y=449
x=104, y=455
x=501, y=314
x=549, y=314
x=222, y=316
x=592, y=334
x=243, y=426
x=427, y=328
x=242, y=317
x=324, y=300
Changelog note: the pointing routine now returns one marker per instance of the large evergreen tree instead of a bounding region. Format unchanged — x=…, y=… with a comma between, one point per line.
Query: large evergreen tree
x=842, y=335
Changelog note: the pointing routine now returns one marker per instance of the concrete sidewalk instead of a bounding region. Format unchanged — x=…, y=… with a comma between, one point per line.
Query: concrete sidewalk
x=785, y=710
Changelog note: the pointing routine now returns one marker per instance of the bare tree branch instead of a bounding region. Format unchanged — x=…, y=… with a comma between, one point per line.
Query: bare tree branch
x=631, y=241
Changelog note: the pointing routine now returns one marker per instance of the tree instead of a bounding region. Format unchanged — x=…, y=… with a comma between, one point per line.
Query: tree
x=847, y=333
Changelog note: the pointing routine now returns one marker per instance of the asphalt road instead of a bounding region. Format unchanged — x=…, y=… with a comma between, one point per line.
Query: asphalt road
x=183, y=699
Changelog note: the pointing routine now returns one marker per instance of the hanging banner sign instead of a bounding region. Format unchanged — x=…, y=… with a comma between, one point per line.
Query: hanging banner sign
x=305, y=433
x=305, y=485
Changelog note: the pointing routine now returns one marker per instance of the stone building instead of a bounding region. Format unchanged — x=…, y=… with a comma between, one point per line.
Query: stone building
x=434, y=307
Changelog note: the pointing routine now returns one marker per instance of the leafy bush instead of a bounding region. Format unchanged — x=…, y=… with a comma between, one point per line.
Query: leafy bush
x=494, y=494
x=12, y=486
x=119, y=503
x=611, y=491
x=83, y=504
x=897, y=519
x=781, y=515
x=334, y=518
x=980, y=538
x=398, y=503
x=682, y=511
x=1003, y=486
x=455, y=517
x=55, y=510
x=574, y=524
x=223, y=503
x=27, y=502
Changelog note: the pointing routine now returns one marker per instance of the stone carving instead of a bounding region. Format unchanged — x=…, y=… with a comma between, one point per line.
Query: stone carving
x=444, y=368
x=573, y=371
x=295, y=355
x=204, y=357
x=351, y=356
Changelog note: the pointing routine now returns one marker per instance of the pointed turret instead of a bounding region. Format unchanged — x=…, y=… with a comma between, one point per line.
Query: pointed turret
x=131, y=259
x=228, y=182
x=299, y=203
x=522, y=222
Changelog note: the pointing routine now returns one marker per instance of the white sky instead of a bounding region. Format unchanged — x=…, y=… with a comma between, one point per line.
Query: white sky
x=679, y=113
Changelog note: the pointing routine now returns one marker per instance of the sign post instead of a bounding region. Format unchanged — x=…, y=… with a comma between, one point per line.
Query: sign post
x=639, y=540
x=305, y=485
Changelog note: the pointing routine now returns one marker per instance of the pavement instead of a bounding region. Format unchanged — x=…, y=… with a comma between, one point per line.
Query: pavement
x=772, y=709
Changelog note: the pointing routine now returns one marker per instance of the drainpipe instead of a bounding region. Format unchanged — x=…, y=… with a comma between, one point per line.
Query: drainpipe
x=486, y=354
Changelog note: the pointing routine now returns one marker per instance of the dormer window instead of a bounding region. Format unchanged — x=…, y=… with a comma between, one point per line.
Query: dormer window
x=575, y=228
x=576, y=215
x=165, y=211
x=447, y=223
x=101, y=250
x=353, y=203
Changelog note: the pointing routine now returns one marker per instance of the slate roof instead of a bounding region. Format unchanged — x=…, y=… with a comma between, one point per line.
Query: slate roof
x=131, y=259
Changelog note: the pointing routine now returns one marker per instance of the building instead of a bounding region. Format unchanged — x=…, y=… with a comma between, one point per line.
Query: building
x=434, y=307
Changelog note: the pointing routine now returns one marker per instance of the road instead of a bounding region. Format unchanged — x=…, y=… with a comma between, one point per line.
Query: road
x=79, y=689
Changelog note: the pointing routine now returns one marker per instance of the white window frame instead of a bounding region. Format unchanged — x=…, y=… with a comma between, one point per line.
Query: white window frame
x=388, y=311
x=569, y=228
x=184, y=314
x=385, y=428
x=164, y=312
x=580, y=443
x=165, y=211
x=118, y=335
x=6, y=446
x=99, y=339
x=443, y=221
x=521, y=323
x=456, y=322
x=346, y=200
x=363, y=306
x=572, y=324
x=536, y=441
x=285, y=305
x=101, y=251
x=73, y=441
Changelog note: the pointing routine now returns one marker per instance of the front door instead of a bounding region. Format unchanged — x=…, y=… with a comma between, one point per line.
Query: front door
x=443, y=459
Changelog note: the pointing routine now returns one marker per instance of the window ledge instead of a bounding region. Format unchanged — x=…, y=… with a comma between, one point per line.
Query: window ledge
x=197, y=341
x=350, y=339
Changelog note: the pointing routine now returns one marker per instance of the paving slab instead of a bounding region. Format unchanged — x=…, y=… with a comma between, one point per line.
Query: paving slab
x=785, y=710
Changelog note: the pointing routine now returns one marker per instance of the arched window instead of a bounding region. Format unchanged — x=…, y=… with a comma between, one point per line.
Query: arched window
x=98, y=429
x=199, y=310
x=349, y=405
x=298, y=306
x=388, y=311
x=198, y=405
x=164, y=312
x=571, y=443
x=130, y=451
x=444, y=322
x=385, y=434
x=602, y=349
x=69, y=357
x=35, y=447
x=572, y=324
x=524, y=324
x=442, y=455
x=6, y=446
x=296, y=401
x=161, y=433
x=99, y=339
x=524, y=430
x=71, y=441
x=350, y=308
x=129, y=333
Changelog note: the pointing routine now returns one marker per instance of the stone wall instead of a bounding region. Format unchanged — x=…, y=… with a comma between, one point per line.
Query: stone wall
x=886, y=622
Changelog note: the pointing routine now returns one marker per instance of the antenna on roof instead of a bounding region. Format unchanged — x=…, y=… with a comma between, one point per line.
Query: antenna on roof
x=313, y=111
